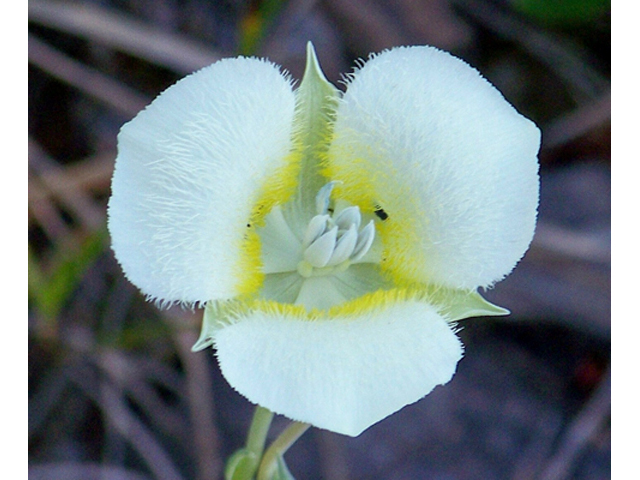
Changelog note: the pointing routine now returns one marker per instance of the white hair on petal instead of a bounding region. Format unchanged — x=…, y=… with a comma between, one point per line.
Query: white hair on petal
x=440, y=144
x=340, y=373
x=188, y=172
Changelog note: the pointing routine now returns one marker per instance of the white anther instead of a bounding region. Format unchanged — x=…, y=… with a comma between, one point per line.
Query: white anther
x=365, y=240
x=316, y=227
x=347, y=217
x=344, y=246
x=320, y=251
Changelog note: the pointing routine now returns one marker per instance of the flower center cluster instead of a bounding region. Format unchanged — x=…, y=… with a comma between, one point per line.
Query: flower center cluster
x=305, y=260
x=332, y=242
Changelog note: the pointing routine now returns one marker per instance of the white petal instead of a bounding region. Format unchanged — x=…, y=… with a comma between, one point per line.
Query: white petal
x=342, y=374
x=189, y=171
x=421, y=134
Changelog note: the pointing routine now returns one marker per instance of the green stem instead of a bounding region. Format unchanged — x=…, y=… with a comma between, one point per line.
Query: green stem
x=278, y=448
x=243, y=464
x=258, y=431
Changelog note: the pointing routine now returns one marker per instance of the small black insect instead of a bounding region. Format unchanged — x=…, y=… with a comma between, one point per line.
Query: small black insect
x=380, y=213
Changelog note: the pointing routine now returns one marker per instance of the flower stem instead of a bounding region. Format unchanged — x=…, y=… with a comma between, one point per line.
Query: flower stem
x=258, y=430
x=243, y=464
x=278, y=448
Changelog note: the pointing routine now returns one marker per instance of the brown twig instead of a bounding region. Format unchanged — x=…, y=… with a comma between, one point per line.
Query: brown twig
x=571, y=244
x=131, y=428
x=578, y=122
x=584, y=427
x=81, y=471
x=90, y=174
x=89, y=81
x=135, y=378
x=366, y=26
x=53, y=178
x=199, y=394
x=45, y=213
x=583, y=80
x=114, y=30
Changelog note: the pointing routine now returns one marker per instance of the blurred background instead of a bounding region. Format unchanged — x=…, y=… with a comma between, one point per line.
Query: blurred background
x=114, y=390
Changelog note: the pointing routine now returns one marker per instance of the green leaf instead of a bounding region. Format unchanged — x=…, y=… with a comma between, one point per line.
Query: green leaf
x=50, y=291
x=563, y=12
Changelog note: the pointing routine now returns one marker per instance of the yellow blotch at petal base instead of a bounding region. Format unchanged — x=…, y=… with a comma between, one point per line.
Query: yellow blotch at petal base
x=277, y=190
x=376, y=189
x=374, y=301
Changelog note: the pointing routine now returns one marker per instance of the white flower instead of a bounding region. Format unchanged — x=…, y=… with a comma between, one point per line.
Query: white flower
x=334, y=238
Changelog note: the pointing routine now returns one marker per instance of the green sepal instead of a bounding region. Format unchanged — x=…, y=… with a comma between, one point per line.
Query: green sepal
x=242, y=465
x=216, y=315
x=457, y=304
x=316, y=103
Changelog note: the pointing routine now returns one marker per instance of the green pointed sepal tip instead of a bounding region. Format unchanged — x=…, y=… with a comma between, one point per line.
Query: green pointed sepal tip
x=216, y=315
x=316, y=97
x=316, y=103
x=207, y=330
x=204, y=340
x=460, y=304
x=474, y=305
x=313, y=76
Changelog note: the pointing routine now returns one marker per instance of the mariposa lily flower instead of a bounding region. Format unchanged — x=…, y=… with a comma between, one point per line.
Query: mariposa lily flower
x=334, y=239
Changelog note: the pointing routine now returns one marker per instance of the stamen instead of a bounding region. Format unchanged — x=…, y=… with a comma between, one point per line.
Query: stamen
x=344, y=246
x=365, y=240
x=316, y=227
x=320, y=251
x=347, y=217
x=330, y=244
